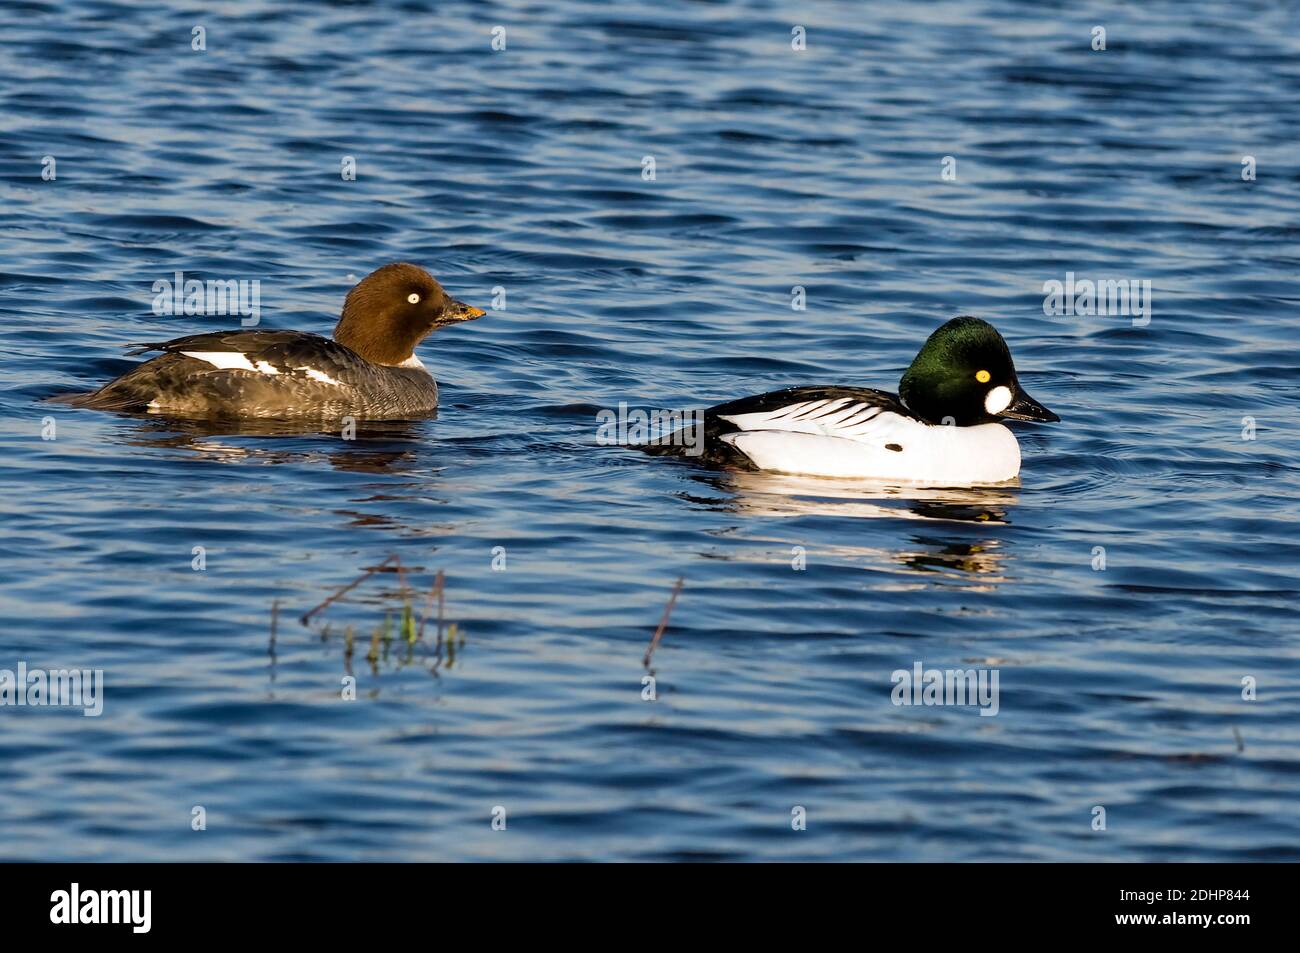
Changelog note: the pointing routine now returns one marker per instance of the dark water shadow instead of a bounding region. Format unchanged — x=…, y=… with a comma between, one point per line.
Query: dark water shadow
x=377, y=446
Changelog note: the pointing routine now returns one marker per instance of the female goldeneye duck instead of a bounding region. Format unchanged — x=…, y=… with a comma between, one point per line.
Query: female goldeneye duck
x=941, y=428
x=368, y=371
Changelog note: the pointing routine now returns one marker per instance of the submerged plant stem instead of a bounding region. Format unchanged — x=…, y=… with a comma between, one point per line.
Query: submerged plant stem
x=663, y=622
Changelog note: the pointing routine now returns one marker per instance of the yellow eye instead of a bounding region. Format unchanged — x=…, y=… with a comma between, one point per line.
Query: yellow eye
x=415, y=299
x=982, y=376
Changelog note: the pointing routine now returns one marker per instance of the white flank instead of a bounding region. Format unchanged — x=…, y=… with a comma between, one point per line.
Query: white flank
x=226, y=360
x=847, y=438
x=318, y=375
x=946, y=456
x=997, y=400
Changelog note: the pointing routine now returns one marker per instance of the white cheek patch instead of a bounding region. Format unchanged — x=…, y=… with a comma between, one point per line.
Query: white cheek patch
x=997, y=400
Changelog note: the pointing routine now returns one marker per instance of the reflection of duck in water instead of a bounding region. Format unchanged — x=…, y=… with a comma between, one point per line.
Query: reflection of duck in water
x=941, y=428
x=759, y=493
x=373, y=447
x=762, y=494
x=980, y=558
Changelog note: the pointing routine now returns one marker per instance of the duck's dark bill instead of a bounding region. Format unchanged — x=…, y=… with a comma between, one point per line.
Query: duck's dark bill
x=1025, y=407
x=460, y=311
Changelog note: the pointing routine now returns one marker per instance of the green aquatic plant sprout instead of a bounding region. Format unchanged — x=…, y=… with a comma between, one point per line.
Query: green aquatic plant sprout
x=399, y=623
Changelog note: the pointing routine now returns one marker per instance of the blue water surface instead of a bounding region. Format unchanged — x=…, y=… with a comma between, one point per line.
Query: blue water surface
x=517, y=176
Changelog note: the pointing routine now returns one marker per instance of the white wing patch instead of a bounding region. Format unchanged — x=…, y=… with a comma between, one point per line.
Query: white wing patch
x=238, y=361
x=843, y=417
x=226, y=360
x=318, y=375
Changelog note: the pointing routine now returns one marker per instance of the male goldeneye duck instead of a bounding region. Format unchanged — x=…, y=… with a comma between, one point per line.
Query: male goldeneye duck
x=368, y=371
x=941, y=427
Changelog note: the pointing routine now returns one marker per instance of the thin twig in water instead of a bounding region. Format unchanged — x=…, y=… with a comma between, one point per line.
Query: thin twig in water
x=401, y=576
x=275, y=618
x=441, y=586
x=1241, y=743
x=442, y=592
x=306, y=616
x=434, y=590
x=663, y=623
